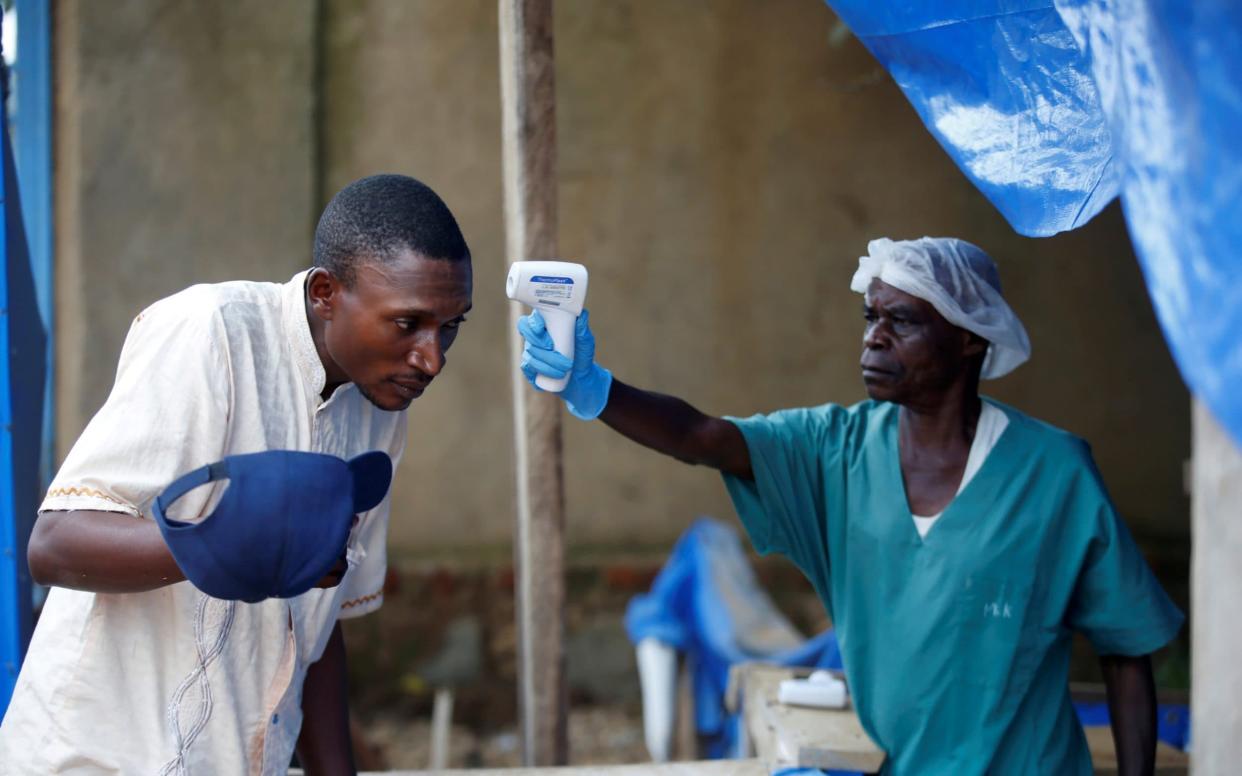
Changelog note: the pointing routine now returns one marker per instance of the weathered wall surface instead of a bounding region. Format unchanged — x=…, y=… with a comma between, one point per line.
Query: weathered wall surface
x=722, y=165
x=414, y=88
x=184, y=154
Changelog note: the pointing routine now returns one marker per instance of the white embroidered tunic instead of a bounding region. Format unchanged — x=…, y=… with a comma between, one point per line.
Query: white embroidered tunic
x=172, y=681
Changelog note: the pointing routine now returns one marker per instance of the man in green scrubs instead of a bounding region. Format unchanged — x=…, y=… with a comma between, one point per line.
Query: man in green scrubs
x=956, y=543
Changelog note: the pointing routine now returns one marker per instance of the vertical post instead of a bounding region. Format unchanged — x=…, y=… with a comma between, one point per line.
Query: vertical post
x=14, y=596
x=529, y=144
x=1215, y=590
x=32, y=135
x=23, y=356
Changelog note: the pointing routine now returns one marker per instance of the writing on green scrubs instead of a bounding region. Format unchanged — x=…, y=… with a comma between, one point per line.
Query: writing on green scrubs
x=956, y=646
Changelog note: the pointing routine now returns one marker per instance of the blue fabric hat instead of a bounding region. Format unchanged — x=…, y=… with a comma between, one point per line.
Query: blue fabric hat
x=281, y=525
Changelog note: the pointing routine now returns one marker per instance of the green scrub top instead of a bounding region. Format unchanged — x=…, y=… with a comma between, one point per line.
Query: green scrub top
x=956, y=646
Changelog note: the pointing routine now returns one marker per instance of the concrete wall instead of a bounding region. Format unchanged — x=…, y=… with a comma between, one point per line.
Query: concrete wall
x=184, y=154
x=414, y=88
x=722, y=165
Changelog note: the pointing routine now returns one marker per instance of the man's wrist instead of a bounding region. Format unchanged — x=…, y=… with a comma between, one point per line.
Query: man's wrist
x=591, y=395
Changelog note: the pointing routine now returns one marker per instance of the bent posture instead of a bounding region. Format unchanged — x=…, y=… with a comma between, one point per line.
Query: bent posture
x=956, y=543
x=131, y=670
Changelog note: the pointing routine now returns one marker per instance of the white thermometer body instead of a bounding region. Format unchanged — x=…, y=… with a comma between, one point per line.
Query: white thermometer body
x=557, y=289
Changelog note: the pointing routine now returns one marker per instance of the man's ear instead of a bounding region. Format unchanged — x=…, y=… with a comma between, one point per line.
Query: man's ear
x=975, y=344
x=322, y=290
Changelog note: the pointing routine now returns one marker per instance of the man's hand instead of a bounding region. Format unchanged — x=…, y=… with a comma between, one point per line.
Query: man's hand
x=337, y=573
x=586, y=393
x=334, y=577
x=1132, y=710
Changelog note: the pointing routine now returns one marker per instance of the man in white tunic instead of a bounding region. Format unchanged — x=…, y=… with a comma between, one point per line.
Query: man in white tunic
x=133, y=670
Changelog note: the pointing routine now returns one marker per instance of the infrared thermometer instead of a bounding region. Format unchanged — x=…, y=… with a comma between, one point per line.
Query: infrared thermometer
x=557, y=289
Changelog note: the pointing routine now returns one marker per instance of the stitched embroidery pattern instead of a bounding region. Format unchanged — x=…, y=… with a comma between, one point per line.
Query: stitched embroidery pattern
x=208, y=650
x=366, y=599
x=76, y=491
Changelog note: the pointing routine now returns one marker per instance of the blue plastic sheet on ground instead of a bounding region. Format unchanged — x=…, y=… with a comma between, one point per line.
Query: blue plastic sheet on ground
x=1172, y=720
x=706, y=603
x=1054, y=107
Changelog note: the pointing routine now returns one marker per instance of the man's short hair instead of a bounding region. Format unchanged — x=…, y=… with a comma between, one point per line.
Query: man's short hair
x=377, y=217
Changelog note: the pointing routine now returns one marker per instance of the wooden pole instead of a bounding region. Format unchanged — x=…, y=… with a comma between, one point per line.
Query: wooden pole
x=1216, y=599
x=528, y=97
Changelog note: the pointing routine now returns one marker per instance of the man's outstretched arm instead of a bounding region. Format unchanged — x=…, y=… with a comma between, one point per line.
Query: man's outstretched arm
x=671, y=426
x=103, y=552
x=1132, y=711
x=109, y=552
x=665, y=424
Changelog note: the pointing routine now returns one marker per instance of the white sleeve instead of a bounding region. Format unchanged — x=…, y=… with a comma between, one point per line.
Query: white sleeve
x=167, y=414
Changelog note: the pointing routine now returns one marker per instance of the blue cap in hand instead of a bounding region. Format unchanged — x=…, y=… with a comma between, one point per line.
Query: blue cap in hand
x=281, y=524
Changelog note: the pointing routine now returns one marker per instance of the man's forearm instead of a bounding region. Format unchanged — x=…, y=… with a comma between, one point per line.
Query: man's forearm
x=1132, y=710
x=104, y=552
x=324, y=746
x=671, y=426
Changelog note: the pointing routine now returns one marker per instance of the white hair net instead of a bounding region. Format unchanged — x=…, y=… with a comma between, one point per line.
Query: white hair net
x=961, y=282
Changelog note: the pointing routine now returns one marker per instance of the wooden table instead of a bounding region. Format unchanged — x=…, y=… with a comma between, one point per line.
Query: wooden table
x=1169, y=761
x=785, y=736
x=793, y=736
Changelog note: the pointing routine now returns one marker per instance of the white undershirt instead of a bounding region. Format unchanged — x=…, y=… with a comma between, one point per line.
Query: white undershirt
x=991, y=424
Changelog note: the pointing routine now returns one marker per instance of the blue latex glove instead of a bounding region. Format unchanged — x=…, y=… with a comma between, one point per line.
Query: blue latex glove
x=586, y=393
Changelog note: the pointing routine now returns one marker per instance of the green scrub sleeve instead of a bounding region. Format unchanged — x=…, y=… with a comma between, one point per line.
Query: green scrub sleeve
x=782, y=509
x=1118, y=603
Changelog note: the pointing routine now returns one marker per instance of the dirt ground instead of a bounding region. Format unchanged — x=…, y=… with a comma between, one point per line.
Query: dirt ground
x=447, y=626
x=450, y=627
x=598, y=735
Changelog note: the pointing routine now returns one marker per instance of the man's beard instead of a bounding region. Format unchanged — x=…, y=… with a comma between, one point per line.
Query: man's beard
x=366, y=394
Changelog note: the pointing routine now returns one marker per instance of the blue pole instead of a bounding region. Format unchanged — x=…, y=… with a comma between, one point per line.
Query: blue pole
x=23, y=365
x=32, y=138
x=14, y=600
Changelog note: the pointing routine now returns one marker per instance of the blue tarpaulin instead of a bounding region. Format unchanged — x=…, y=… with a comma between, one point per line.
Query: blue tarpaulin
x=1053, y=108
x=23, y=351
x=1172, y=720
x=706, y=604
